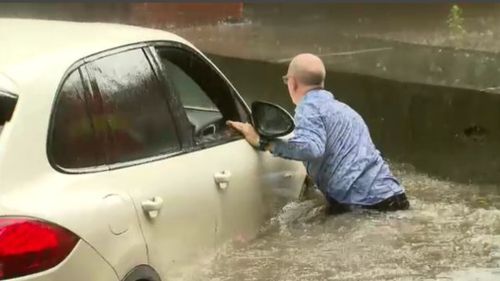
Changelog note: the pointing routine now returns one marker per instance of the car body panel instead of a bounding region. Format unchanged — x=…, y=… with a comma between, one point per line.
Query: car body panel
x=185, y=226
x=198, y=217
x=80, y=205
x=38, y=42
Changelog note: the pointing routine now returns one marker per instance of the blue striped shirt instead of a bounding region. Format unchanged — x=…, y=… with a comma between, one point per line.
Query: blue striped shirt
x=335, y=144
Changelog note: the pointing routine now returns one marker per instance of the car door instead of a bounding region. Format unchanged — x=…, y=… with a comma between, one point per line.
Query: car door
x=146, y=151
x=246, y=180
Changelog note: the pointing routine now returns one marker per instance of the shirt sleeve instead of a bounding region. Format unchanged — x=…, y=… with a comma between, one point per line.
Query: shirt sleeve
x=308, y=141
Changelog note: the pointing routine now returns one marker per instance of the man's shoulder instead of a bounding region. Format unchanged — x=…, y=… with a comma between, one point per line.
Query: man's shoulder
x=326, y=104
x=319, y=94
x=312, y=103
x=316, y=98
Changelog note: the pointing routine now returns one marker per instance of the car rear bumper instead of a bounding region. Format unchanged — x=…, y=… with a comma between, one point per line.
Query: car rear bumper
x=83, y=264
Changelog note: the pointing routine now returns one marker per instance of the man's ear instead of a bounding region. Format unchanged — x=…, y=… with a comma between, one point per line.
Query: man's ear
x=295, y=84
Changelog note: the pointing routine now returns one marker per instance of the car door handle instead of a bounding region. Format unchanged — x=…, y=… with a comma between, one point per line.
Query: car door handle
x=152, y=207
x=222, y=179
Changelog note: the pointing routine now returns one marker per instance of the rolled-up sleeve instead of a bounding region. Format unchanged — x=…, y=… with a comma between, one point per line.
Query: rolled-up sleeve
x=309, y=138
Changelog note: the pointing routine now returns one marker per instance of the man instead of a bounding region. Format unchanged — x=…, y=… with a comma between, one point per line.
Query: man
x=334, y=142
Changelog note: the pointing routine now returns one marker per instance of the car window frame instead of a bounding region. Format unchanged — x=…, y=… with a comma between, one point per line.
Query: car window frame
x=165, y=93
x=235, y=94
x=8, y=94
x=174, y=101
x=148, y=46
x=50, y=132
x=80, y=65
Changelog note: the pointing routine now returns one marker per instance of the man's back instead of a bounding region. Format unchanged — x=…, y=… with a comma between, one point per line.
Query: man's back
x=351, y=170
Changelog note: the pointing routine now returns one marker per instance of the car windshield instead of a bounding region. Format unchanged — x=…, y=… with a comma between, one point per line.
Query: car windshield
x=7, y=105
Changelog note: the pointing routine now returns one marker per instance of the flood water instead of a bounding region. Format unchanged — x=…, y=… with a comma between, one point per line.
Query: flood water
x=452, y=232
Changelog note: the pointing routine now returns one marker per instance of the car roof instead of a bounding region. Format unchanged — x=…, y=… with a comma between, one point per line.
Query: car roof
x=29, y=42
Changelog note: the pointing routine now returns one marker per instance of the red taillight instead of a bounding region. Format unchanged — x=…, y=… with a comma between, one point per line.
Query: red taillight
x=28, y=246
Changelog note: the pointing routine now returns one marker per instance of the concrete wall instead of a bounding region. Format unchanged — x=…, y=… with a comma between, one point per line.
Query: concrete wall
x=444, y=131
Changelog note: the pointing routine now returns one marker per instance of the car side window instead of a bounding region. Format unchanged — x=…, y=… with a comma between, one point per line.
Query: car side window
x=190, y=93
x=133, y=107
x=206, y=97
x=74, y=142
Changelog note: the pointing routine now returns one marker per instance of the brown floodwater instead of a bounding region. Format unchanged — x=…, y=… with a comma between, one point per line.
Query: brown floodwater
x=451, y=232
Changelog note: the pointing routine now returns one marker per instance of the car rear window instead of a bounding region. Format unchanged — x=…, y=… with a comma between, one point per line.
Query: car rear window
x=7, y=105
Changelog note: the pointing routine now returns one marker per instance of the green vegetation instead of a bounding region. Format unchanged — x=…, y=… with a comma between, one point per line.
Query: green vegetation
x=455, y=22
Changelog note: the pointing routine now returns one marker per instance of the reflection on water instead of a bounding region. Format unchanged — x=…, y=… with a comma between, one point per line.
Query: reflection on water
x=452, y=232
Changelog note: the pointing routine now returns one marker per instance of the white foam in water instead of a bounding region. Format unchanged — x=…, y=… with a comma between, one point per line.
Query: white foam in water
x=473, y=274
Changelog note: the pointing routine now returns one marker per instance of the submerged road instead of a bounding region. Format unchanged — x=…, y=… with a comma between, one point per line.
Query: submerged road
x=452, y=232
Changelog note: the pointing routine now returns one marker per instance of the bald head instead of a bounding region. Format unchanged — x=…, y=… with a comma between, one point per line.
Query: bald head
x=308, y=69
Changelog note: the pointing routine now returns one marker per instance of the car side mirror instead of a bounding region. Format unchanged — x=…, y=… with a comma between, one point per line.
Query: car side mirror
x=271, y=120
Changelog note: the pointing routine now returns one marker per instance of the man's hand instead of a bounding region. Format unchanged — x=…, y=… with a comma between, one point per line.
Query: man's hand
x=247, y=130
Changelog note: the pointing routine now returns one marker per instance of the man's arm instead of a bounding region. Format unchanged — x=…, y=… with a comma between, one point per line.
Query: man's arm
x=309, y=138
x=307, y=143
